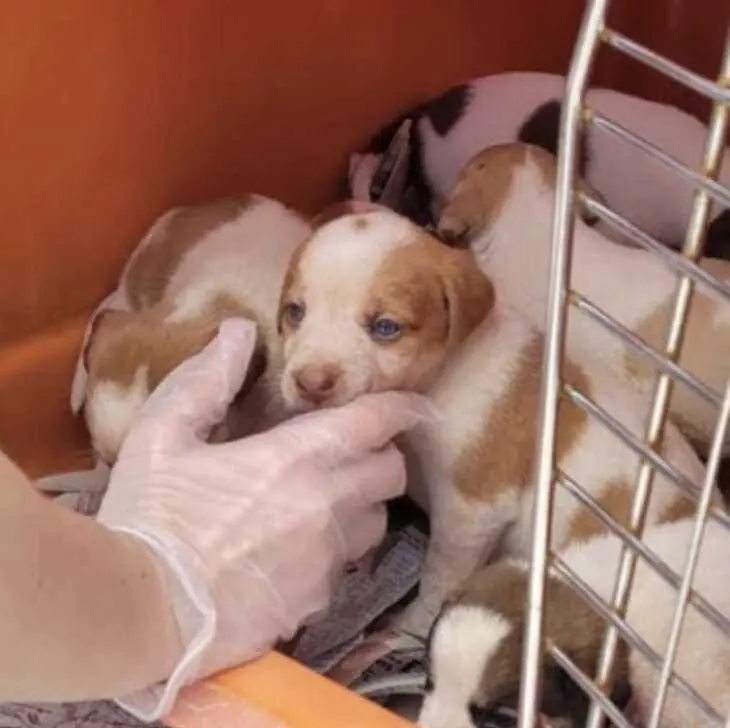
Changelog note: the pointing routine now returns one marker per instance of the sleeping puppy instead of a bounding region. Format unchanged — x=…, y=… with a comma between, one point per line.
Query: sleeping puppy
x=195, y=267
x=474, y=650
x=501, y=208
x=372, y=302
x=448, y=130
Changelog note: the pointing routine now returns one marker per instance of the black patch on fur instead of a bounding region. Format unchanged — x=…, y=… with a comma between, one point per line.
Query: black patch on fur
x=443, y=112
x=542, y=129
x=717, y=242
x=562, y=696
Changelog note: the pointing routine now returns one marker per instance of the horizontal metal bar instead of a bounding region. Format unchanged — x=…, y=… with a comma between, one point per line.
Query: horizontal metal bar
x=704, y=607
x=641, y=449
x=663, y=65
x=587, y=686
x=645, y=350
x=632, y=441
x=676, y=261
x=718, y=191
x=629, y=634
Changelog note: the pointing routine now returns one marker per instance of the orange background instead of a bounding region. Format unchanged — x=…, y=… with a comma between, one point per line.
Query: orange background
x=113, y=111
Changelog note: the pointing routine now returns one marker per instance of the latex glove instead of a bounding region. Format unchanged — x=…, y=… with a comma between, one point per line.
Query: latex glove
x=253, y=533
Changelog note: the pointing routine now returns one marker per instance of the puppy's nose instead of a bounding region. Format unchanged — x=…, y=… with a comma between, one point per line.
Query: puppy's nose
x=316, y=383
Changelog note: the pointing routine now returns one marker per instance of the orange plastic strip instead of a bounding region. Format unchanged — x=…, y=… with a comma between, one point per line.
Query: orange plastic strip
x=276, y=692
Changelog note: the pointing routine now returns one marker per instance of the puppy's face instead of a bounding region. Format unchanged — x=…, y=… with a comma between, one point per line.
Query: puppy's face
x=475, y=653
x=370, y=303
x=489, y=178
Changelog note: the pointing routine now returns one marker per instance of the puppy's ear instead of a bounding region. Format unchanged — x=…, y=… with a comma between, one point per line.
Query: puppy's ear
x=290, y=278
x=101, y=327
x=469, y=295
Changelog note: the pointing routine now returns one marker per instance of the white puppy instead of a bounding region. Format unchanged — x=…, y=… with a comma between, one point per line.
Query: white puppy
x=196, y=266
x=373, y=302
x=502, y=208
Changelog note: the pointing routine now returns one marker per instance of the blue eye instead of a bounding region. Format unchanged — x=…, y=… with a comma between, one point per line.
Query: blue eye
x=385, y=330
x=294, y=313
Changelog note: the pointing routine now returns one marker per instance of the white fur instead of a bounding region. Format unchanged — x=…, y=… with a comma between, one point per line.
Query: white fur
x=635, y=185
x=111, y=411
x=703, y=658
x=462, y=645
x=245, y=257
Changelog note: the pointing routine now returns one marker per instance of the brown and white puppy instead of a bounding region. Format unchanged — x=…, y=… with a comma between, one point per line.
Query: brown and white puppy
x=502, y=207
x=195, y=267
x=475, y=646
x=373, y=302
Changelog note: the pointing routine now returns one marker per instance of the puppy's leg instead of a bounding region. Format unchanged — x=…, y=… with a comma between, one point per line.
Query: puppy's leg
x=464, y=533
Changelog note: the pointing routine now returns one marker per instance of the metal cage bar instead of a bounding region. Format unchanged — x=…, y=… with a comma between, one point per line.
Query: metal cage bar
x=574, y=118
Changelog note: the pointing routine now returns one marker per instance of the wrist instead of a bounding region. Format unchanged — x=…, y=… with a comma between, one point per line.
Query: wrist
x=189, y=615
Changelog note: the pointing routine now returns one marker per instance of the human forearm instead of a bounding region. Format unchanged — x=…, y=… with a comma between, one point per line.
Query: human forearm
x=83, y=610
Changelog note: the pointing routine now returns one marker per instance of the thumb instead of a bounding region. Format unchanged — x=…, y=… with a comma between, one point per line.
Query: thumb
x=196, y=395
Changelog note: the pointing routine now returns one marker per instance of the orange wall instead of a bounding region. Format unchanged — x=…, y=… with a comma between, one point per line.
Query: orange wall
x=112, y=111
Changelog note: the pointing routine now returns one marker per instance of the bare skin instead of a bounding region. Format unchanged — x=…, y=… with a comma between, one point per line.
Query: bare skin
x=84, y=613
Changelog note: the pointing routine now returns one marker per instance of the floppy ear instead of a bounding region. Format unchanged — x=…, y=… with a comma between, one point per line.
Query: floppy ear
x=101, y=325
x=463, y=216
x=468, y=294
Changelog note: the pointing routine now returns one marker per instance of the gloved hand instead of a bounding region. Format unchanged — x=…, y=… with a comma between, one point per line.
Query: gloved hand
x=252, y=534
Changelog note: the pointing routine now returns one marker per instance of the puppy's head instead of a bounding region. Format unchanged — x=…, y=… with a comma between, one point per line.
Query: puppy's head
x=487, y=180
x=129, y=354
x=475, y=652
x=372, y=302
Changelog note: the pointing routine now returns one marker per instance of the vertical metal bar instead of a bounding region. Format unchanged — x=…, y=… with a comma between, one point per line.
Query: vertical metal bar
x=713, y=156
x=693, y=246
x=557, y=306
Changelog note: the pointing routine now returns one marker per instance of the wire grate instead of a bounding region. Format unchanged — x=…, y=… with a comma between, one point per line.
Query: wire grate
x=576, y=117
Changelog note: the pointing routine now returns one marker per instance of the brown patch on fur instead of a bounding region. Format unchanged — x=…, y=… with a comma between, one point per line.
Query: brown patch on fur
x=705, y=354
x=615, y=500
x=569, y=623
x=290, y=282
x=485, y=182
x=360, y=222
x=152, y=267
x=678, y=510
x=503, y=457
x=345, y=207
x=125, y=341
x=436, y=294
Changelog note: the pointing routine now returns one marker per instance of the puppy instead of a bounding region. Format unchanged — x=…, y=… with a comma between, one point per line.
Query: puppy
x=373, y=302
x=502, y=206
x=195, y=267
x=474, y=651
x=522, y=106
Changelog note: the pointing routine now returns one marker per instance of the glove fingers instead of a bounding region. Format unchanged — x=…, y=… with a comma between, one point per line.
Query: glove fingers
x=367, y=423
x=195, y=396
x=365, y=530
x=372, y=478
